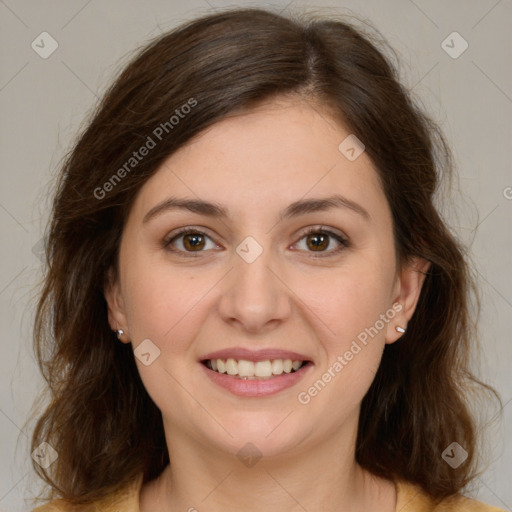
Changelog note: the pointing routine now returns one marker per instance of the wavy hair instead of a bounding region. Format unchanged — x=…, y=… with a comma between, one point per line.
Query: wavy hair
x=98, y=415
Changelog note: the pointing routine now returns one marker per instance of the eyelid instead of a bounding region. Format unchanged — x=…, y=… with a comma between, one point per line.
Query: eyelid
x=324, y=229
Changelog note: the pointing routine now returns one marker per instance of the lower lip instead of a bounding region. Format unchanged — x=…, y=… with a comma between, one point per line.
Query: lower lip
x=257, y=387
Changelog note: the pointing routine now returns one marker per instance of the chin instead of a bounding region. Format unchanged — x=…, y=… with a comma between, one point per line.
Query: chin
x=264, y=433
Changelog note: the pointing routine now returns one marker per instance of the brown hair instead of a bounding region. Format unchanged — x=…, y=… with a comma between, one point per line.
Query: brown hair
x=100, y=418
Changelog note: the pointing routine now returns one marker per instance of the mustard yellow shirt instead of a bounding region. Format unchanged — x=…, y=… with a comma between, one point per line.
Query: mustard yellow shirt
x=410, y=498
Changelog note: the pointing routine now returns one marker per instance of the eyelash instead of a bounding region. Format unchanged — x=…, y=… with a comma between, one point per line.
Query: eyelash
x=313, y=230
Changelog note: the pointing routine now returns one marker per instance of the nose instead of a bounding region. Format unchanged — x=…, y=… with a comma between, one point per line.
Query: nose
x=255, y=297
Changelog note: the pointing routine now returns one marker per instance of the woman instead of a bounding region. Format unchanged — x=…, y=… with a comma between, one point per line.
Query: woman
x=252, y=302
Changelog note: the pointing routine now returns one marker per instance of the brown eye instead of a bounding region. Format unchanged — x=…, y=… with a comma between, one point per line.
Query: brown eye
x=193, y=242
x=319, y=240
x=189, y=241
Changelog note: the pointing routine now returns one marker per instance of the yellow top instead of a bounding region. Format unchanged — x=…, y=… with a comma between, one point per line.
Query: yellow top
x=410, y=498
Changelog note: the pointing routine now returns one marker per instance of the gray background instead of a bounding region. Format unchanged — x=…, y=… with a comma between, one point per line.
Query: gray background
x=45, y=101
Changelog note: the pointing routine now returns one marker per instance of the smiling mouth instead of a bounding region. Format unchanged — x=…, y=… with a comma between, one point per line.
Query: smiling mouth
x=254, y=370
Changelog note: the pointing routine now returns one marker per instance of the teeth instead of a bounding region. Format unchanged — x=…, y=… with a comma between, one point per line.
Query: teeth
x=263, y=369
x=231, y=367
x=251, y=370
x=221, y=365
x=246, y=368
x=277, y=366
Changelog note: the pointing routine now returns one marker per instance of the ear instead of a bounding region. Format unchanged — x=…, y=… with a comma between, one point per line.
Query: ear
x=407, y=291
x=115, y=304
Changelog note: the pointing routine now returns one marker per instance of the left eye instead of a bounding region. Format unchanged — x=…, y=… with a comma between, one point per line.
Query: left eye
x=318, y=240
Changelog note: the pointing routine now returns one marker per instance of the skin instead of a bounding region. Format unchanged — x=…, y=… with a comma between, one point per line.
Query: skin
x=256, y=164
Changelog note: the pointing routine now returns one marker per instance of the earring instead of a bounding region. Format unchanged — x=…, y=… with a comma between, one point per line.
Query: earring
x=119, y=333
x=400, y=329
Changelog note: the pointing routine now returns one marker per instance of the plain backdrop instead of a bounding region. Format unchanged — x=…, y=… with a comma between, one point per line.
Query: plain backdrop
x=44, y=102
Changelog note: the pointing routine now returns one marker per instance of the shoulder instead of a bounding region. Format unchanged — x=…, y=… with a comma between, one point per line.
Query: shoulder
x=464, y=504
x=126, y=500
x=411, y=498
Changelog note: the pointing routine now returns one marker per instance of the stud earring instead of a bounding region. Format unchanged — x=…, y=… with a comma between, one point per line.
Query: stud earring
x=119, y=333
x=400, y=329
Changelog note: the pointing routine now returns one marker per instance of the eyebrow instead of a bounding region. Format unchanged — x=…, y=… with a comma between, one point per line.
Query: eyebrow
x=295, y=209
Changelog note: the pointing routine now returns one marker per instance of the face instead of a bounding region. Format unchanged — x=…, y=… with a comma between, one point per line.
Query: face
x=260, y=279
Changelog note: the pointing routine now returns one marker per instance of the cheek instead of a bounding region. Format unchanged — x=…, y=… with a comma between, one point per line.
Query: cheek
x=348, y=304
x=162, y=301
x=165, y=307
x=347, y=300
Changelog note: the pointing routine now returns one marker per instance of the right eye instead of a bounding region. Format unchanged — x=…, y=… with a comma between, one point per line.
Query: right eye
x=188, y=240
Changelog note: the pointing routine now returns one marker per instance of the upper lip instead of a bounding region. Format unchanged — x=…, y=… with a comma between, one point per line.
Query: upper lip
x=255, y=355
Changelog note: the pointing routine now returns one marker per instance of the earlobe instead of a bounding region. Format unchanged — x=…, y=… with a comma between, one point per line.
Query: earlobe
x=408, y=289
x=115, y=305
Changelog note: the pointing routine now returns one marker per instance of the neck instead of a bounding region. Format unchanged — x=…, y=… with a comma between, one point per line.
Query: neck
x=322, y=477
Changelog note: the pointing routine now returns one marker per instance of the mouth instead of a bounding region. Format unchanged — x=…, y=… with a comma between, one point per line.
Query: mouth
x=250, y=373
x=244, y=369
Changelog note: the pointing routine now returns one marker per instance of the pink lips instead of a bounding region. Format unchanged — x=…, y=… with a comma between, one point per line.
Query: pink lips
x=259, y=387
x=255, y=355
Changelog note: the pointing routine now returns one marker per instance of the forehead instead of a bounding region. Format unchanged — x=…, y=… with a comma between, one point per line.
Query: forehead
x=265, y=159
